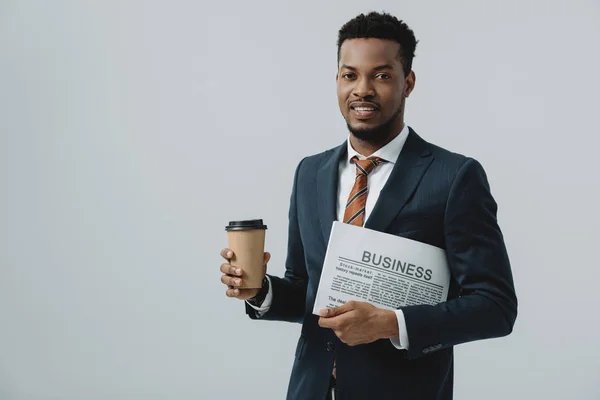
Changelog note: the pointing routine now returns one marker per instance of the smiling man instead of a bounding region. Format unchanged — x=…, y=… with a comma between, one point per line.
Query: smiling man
x=387, y=178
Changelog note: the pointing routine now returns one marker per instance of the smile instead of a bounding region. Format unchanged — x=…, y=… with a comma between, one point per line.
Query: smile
x=363, y=112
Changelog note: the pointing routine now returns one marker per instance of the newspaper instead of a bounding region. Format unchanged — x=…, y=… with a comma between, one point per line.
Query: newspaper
x=385, y=270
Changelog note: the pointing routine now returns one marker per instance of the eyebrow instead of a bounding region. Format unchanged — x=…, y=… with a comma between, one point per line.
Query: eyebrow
x=377, y=68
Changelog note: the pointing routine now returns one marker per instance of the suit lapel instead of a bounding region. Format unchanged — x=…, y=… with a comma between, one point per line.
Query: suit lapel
x=412, y=163
x=327, y=183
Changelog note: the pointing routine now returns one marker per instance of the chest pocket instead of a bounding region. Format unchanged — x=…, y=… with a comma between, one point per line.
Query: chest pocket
x=422, y=228
x=410, y=223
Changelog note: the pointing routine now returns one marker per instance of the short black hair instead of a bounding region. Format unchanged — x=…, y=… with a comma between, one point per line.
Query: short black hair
x=381, y=26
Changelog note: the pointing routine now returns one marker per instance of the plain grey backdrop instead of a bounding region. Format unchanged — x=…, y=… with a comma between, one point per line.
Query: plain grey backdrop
x=131, y=132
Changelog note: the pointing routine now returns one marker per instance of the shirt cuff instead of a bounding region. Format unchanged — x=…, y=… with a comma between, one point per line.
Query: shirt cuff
x=264, y=307
x=400, y=342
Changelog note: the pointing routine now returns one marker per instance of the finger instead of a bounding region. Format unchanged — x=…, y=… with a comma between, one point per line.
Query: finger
x=227, y=254
x=333, y=312
x=232, y=292
x=328, y=323
x=230, y=270
x=267, y=258
x=340, y=335
x=231, y=281
x=346, y=338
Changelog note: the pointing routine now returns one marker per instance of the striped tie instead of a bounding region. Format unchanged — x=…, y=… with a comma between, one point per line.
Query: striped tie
x=357, y=200
x=355, y=206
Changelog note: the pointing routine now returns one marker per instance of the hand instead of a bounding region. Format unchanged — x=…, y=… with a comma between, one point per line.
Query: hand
x=357, y=322
x=232, y=277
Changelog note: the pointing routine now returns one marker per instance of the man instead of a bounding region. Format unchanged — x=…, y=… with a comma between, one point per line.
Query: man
x=412, y=189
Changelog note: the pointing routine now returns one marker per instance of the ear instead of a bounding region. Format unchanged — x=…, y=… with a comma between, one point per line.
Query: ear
x=337, y=77
x=409, y=83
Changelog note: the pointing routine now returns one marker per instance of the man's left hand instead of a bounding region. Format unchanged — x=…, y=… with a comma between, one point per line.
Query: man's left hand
x=358, y=323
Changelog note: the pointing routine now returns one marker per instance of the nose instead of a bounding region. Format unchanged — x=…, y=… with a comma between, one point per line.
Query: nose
x=363, y=88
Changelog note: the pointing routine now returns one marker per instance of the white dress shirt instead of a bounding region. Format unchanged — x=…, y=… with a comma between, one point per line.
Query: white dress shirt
x=375, y=182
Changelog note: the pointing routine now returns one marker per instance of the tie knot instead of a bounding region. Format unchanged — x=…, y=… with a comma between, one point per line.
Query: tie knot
x=365, y=167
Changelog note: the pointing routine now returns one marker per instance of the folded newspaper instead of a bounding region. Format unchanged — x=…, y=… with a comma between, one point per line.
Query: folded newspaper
x=385, y=270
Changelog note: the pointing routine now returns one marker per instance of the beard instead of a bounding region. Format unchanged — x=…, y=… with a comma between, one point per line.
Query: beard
x=379, y=133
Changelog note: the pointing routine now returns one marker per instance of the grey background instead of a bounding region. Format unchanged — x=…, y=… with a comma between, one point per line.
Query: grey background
x=131, y=132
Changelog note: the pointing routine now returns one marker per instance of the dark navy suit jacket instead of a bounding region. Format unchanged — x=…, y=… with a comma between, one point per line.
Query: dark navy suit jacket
x=433, y=196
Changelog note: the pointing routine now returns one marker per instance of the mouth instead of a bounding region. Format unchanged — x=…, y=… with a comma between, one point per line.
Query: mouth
x=363, y=111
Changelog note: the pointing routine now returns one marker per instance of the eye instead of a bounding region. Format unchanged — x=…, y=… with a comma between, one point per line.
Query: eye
x=384, y=76
x=348, y=75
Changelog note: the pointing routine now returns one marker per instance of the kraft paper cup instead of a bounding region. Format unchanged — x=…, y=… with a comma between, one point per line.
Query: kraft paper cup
x=247, y=241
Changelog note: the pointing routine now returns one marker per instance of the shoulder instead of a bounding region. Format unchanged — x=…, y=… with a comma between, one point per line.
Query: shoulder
x=447, y=158
x=314, y=162
x=451, y=161
x=458, y=169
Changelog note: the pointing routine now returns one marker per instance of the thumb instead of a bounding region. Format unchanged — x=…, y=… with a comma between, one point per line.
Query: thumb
x=334, y=312
x=266, y=258
x=266, y=261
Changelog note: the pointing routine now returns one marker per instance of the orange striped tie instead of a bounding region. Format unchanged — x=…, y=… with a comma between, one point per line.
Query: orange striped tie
x=357, y=200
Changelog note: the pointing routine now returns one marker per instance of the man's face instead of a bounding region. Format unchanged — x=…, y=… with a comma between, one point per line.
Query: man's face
x=371, y=87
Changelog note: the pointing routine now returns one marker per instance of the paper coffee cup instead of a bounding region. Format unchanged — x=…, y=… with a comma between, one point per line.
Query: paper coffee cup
x=247, y=241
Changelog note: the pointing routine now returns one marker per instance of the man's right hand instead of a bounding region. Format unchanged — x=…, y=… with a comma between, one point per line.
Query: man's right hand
x=232, y=277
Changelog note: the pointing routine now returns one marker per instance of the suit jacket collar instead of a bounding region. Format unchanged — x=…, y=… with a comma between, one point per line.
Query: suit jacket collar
x=413, y=161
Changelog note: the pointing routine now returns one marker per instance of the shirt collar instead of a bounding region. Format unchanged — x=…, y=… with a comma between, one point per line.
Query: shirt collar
x=389, y=152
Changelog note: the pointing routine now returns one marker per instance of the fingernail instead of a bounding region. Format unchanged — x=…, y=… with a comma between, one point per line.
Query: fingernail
x=323, y=313
x=229, y=254
x=236, y=292
x=237, y=281
x=238, y=271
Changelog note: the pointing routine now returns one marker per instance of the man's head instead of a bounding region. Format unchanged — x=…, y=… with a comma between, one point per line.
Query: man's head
x=374, y=77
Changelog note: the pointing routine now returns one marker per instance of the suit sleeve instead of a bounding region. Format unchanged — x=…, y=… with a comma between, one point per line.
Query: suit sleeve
x=478, y=261
x=289, y=292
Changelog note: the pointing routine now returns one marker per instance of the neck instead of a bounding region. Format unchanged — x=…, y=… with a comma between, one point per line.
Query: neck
x=368, y=147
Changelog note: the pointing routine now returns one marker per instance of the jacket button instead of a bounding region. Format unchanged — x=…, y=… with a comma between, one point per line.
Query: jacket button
x=329, y=346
